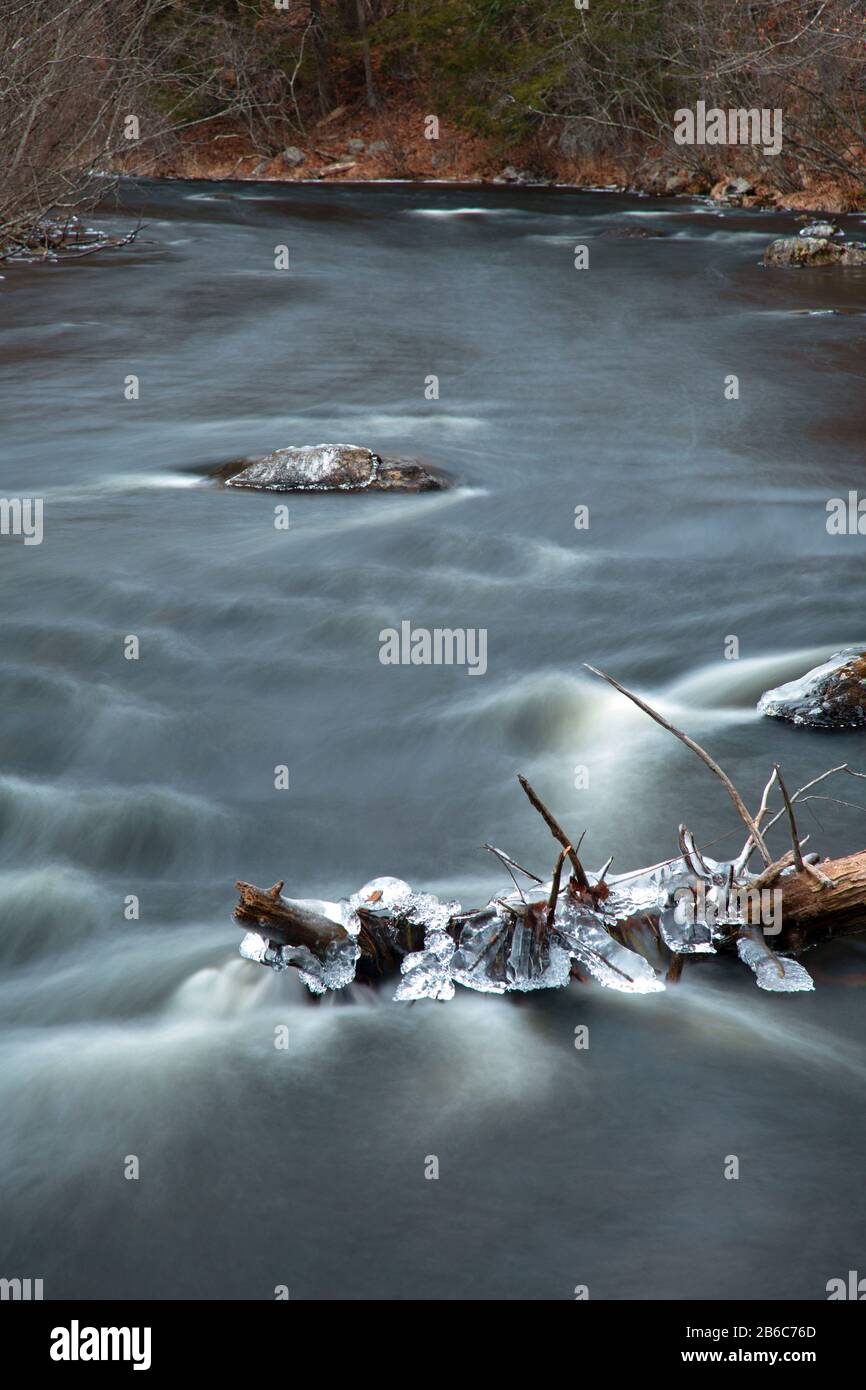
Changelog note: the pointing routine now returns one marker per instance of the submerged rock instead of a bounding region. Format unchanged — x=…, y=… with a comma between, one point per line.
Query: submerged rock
x=813, y=250
x=831, y=696
x=631, y=234
x=330, y=468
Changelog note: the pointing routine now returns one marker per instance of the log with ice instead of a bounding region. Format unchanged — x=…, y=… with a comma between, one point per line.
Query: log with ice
x=631, y=933
x=515, y=943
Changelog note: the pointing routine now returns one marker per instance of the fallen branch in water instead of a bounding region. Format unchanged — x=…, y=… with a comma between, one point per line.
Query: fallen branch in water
x=632, y=932
x=63, y=241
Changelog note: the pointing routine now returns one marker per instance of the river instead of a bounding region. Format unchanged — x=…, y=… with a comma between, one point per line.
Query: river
x=258, y=647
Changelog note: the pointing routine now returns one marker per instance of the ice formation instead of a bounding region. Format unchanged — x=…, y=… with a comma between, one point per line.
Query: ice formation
x=776, y=973
x=620, y=933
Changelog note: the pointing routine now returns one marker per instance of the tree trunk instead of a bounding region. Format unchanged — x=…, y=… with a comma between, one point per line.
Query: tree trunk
x=320, y=53
x=365, y=49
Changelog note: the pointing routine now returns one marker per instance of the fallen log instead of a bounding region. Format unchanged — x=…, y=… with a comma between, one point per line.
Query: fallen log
x=631, y=932
x=812, y=913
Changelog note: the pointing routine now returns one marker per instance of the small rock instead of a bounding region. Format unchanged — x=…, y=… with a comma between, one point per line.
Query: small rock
x=377, y=148
x=819, y=229
x=731, y=190
x=330, y=468
x=739, y=188
x=676, y=183
x=511, y=175
x=803, y=250
x=293, y=156
x=832, y=696
x=631, y=234
x=356, y=146
x=650, y=177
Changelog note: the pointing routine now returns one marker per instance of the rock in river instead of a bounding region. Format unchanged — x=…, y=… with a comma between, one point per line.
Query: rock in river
x=331, y=468
x=809, y=250
x=820, y=229
x=832, y=696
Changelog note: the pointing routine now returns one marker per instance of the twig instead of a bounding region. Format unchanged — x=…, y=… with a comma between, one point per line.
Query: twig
x=506, y=859
x=795, y=842
x=554, y=887
x=772, y=871
x=822, y=878
x=746, y=852
x=798, y=794
x=556, y=830
x=691, y=854
x=696, y=748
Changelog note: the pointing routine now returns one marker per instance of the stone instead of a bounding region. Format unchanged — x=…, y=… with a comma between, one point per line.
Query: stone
x=330, y=468
x=819, y=229
x=676, y=183
x=807, y=251
x=631, y=234
x=293, y=156
x=830, y=696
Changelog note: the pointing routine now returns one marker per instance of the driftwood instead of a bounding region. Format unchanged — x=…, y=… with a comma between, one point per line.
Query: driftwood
x=288, y=922
x=811, y=915
x=817, y=904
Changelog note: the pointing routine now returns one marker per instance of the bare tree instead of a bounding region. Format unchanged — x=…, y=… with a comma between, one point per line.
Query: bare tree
x=70, y=94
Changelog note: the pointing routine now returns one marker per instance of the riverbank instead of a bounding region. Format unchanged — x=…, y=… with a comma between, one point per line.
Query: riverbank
x=355, y=145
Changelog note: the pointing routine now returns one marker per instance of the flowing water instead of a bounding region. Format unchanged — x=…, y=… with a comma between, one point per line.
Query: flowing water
x=259, y=647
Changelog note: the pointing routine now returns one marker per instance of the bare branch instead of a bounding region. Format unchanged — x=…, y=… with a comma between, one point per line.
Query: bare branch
x=696, y=748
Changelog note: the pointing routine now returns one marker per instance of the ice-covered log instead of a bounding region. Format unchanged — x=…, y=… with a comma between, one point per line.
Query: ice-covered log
x=632, y=932
x=631, y=935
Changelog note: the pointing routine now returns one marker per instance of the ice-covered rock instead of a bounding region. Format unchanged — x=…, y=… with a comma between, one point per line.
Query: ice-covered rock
x=830, y=696
x=330, y=468
x=819, y=229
